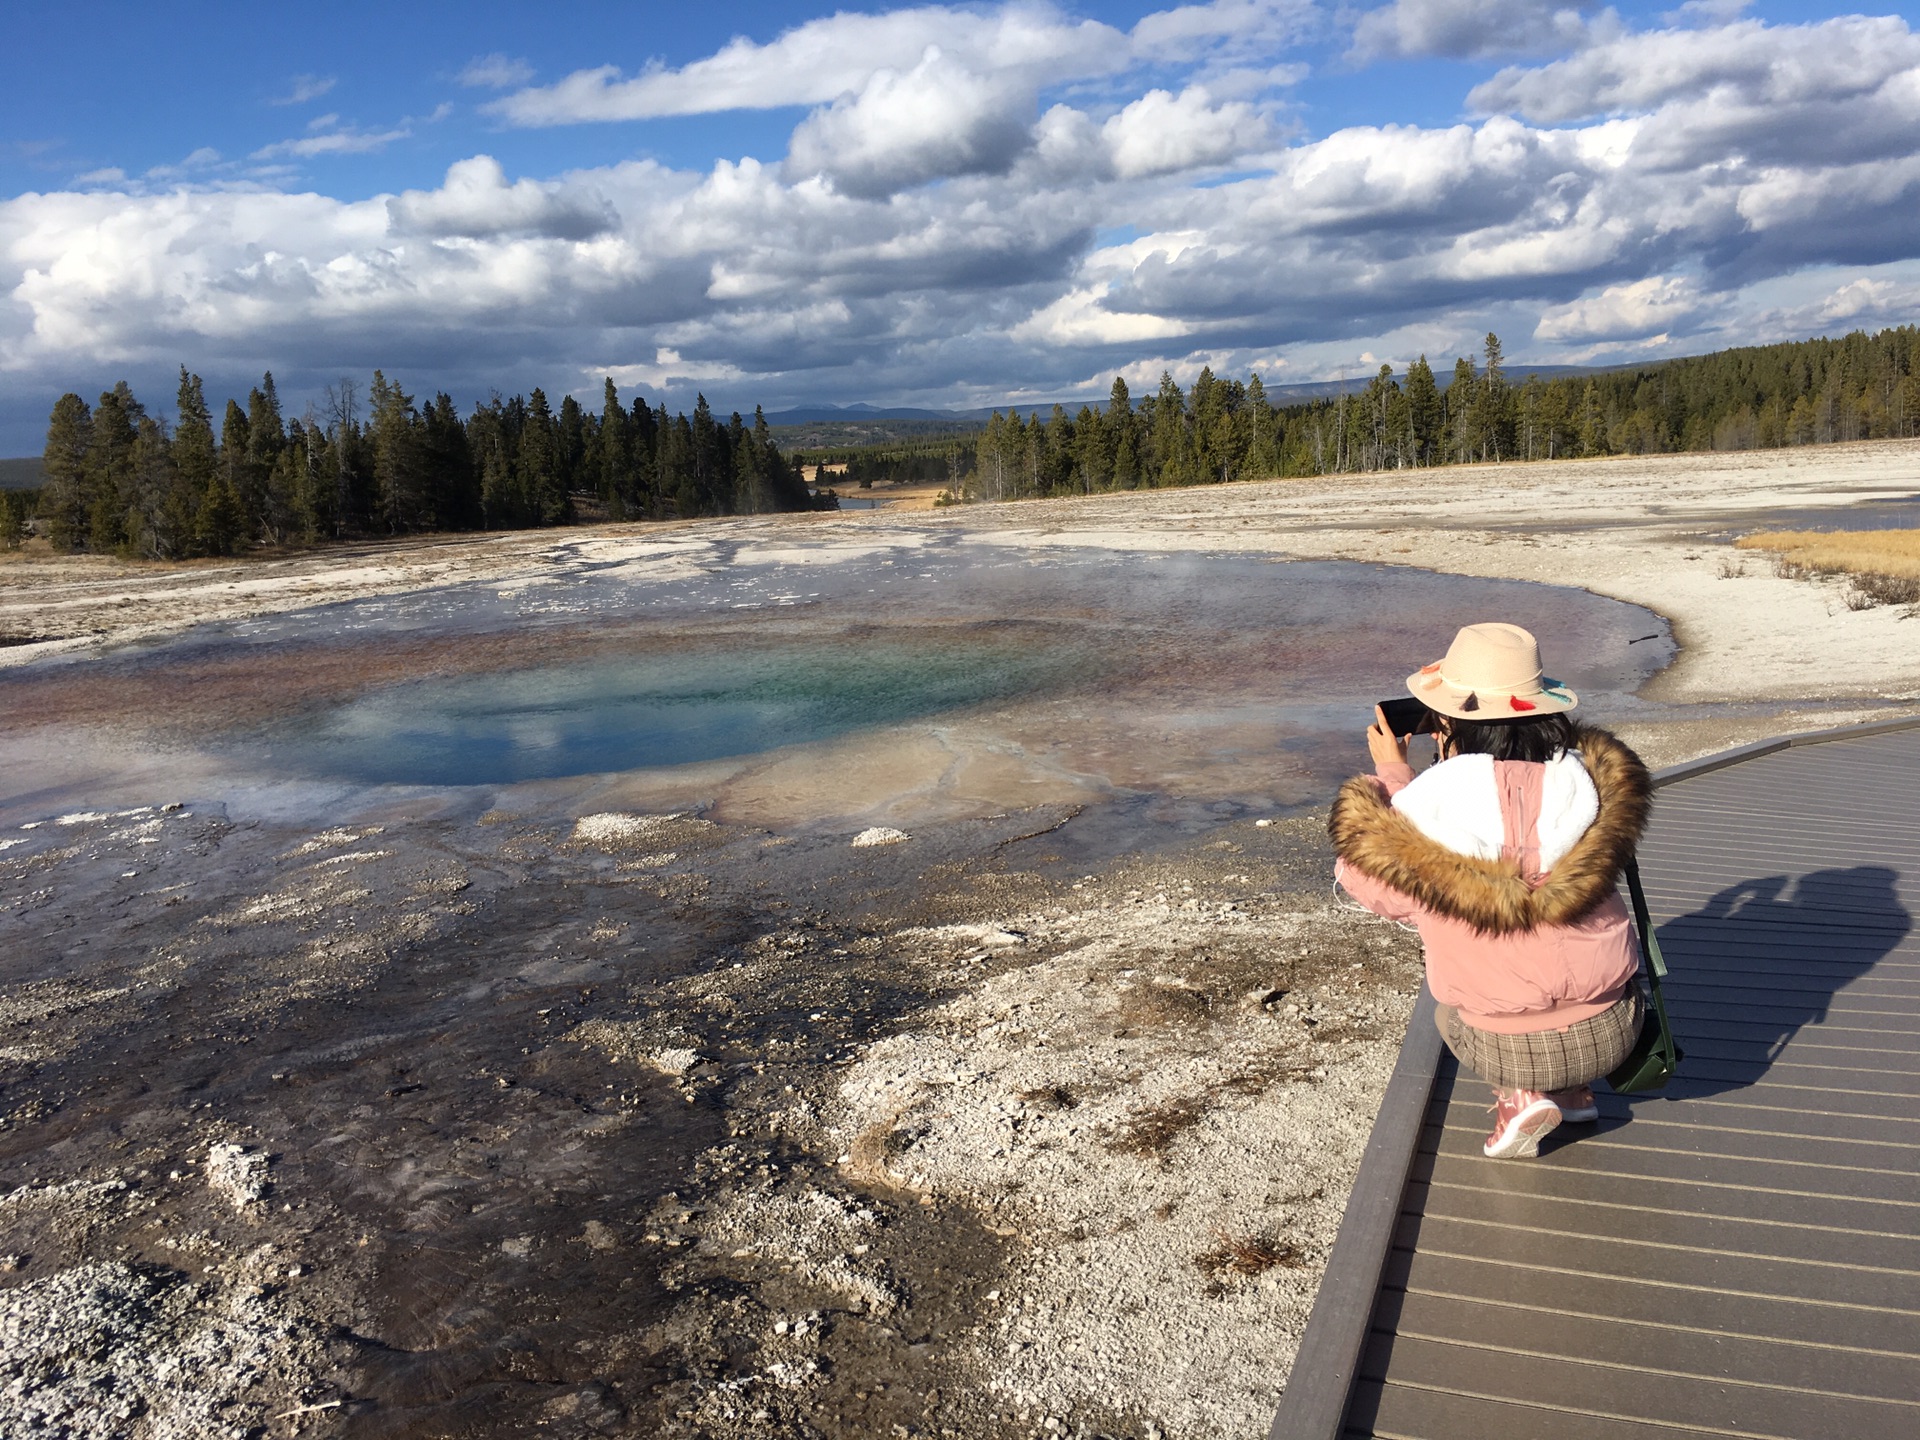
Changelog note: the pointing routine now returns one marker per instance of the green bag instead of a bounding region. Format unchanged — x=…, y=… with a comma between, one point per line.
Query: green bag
x=1655, y=1055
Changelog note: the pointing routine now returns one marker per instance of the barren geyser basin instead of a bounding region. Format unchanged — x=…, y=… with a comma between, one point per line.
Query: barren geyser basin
x=836, y=975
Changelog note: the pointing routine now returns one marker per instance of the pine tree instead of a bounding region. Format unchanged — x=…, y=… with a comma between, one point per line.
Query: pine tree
x=64, y=500
x=451, y=497
x=1125, y=431
x=1460, y=396
x=616, y=477
x=13, y=519
x=1170, y=457
x=712, y=474
x=266, y=438
x=195, y=459
x=238, y=518
x=392, y=432
x=110, y=475
x=1493, y=406
x=570, y=447
x=1424, y=412
x=150, y=530
x=539, y=467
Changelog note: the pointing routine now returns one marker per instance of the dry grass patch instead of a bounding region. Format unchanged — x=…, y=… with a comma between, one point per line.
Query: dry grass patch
x=1883, y=566
x=1843, y=552
x=1151, y=1131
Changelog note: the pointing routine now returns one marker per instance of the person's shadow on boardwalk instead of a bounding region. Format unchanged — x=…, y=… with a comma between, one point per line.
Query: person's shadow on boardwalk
x=1764, y=961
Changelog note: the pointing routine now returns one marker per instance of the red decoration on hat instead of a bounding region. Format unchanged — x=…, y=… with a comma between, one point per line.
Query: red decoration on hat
x=1429, y=669
x=1520, y=704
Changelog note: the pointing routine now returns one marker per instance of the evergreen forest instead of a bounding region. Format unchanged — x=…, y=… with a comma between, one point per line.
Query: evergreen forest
x=1812, y=392
x=118, y=479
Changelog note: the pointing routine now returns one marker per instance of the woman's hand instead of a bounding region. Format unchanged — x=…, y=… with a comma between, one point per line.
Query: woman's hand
x=1383, y=745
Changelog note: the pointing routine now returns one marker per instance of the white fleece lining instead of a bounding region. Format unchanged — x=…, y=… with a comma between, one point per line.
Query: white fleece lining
x=1457, y=804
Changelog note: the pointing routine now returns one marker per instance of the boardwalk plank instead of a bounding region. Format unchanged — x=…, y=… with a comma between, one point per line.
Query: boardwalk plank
x=1579, y=1291
x=1709, y=1407
x=1400, y=1412
x=1730, y=1234
x=1653, y=1346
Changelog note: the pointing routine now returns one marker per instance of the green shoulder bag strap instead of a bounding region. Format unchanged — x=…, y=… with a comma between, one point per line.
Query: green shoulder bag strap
x=1657, y=1056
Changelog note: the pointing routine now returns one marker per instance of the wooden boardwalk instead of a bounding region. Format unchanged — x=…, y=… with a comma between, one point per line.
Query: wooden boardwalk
x=1739, y=1256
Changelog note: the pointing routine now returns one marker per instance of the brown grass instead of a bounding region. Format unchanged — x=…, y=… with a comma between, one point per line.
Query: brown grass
x=1158, y=1007
x=1246, y=1255
x=1889, y=553
x=1150, y=1133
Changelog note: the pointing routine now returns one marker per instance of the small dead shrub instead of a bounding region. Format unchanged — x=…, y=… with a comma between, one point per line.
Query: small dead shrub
x=1157, y=1006
x=1246, y=1255
x=1051, y=1097
x=1870, y=590
x=1150, y=1133
x=1259, y=1079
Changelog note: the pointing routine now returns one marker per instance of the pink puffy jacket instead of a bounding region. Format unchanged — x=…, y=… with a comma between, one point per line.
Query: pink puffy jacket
x=1508, y=870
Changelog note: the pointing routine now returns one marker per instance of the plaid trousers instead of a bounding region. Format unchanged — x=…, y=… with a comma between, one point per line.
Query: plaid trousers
x=1547, y=1059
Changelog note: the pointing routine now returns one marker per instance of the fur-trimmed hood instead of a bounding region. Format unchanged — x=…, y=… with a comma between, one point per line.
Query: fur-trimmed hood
x=1492, y=895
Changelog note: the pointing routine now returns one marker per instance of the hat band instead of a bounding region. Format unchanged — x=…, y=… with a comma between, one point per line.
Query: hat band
x=1533, y=685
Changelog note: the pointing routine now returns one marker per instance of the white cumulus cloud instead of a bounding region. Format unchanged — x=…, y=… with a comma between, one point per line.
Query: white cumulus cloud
x=1163, y=134
x=1643, y=307
x=935, y=120
x=1750, y=62
x=822, y=60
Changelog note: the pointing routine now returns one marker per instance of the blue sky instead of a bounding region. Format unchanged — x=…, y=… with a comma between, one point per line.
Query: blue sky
x=936, y=205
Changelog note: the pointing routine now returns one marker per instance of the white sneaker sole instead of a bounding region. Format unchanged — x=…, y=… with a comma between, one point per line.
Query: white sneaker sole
x=1520, y=1139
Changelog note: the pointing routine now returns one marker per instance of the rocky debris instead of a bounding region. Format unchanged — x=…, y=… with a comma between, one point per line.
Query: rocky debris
x=676, y=1061
x=613, y=828
x=825, y=1239
x=879, y=835
x=106, y=1350
x=237, y=1174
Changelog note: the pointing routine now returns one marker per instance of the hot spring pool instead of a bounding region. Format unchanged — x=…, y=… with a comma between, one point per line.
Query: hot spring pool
x=1142, y=668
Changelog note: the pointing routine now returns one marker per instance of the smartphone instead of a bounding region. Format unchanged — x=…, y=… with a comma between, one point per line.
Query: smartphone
x=1407, y=716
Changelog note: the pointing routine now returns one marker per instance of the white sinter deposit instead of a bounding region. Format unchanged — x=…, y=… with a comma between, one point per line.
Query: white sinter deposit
x=1170, y=1160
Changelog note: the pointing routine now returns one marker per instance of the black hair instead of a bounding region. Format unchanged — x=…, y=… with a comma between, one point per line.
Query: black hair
x=1539, y=739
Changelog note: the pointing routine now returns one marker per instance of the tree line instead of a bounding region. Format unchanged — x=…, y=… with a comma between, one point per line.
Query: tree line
x=1811, y=392
x=119, y=479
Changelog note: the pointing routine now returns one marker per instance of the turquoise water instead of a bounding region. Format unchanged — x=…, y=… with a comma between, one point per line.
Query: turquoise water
x=643, y=711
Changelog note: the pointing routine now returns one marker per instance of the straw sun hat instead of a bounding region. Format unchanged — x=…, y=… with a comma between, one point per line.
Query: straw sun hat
x=1491, y=672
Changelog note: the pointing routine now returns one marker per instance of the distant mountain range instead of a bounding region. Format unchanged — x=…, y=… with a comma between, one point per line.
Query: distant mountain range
x=1278, y=394
x=854, y=414
x=21, y=474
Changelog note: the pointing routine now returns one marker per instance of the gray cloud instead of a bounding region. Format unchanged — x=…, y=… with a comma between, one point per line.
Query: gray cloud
x=1468, y=29
x=477, y=202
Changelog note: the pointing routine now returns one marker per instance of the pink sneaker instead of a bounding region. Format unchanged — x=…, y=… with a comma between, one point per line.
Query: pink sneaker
x=1520, y=1118
x=1577, y=1106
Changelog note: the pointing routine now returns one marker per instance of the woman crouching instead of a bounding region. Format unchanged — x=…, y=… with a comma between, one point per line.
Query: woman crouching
x=1505, y=855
